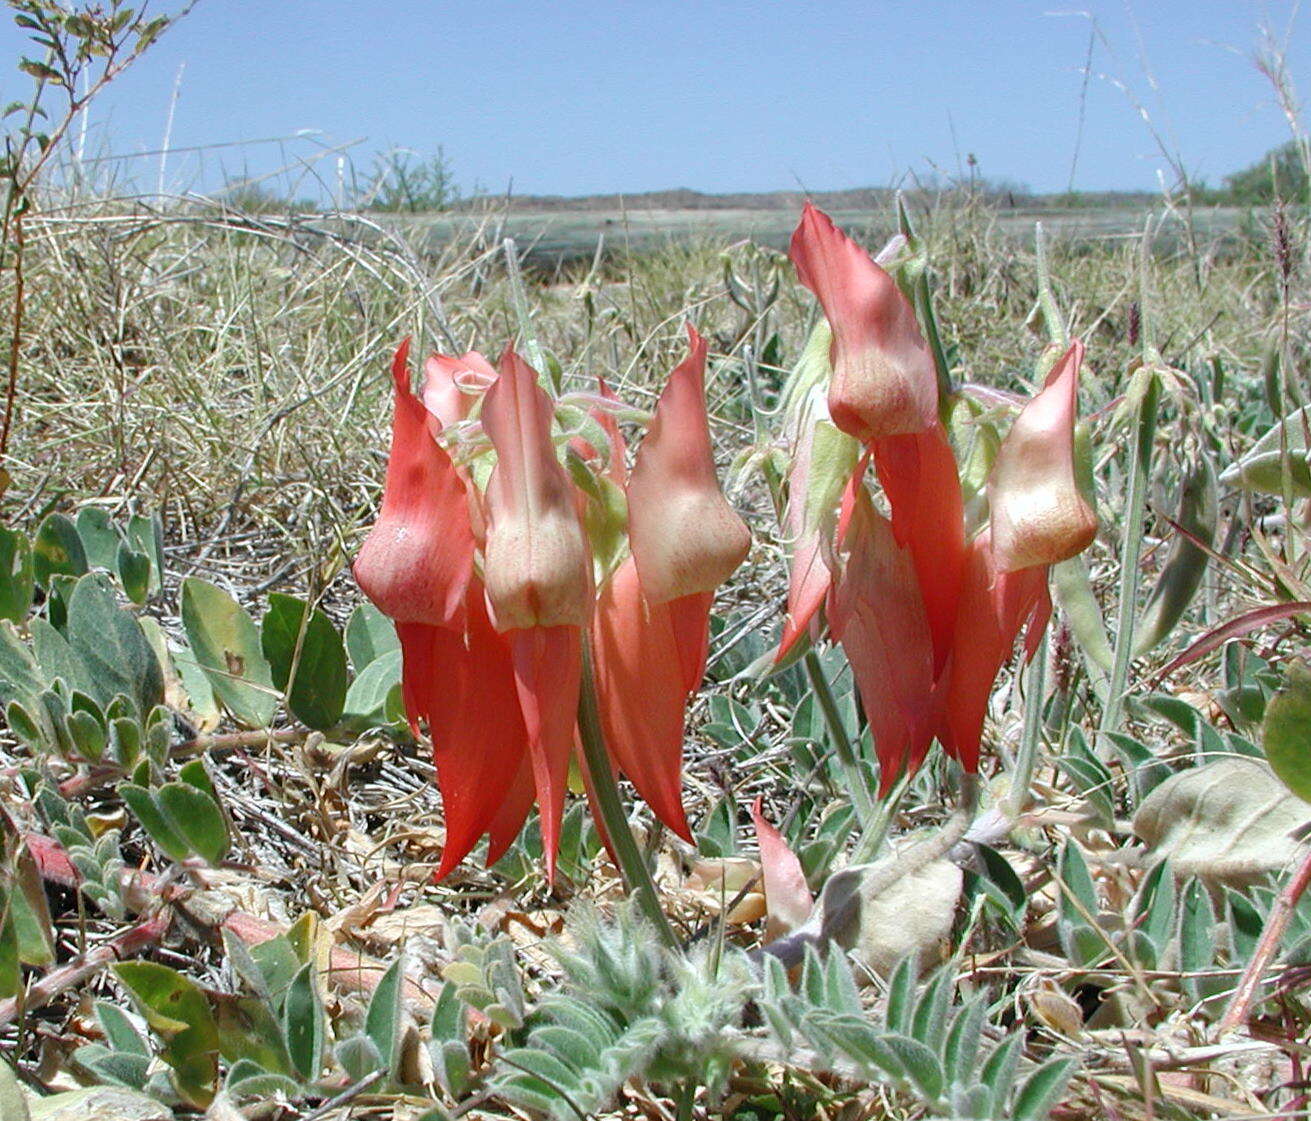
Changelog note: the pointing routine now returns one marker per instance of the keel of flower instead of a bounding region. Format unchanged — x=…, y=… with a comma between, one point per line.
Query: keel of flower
x=537, y=569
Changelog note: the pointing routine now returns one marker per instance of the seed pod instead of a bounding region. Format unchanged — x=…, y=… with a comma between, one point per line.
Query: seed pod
x=1181, y=575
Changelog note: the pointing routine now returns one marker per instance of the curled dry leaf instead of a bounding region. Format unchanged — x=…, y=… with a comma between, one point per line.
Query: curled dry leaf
x=911, y=916
x=1057, y=1010
x=715, y=883
x=1227, y=820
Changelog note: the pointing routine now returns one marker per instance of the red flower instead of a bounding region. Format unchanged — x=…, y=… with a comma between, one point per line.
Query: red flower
x=492, y=662
x=926, y=620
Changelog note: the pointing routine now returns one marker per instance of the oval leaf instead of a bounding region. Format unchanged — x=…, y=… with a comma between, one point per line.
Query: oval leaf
x=16, y=577
x=195, y=817
x=226, y=644
x=307, y=659
x=112, y=646
x=57, y=550
x=1288, y=731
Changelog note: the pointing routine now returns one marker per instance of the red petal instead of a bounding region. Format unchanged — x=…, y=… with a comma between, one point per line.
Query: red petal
x=787, y=895
x=919, y=476
x=993, y=608
x=509, y=819
x=877, y=612
x=685, y=536
x=547, y=673
x=463, y=686
x=416, y=562
x=642, y=691
x=808, y=583
x=884, y=382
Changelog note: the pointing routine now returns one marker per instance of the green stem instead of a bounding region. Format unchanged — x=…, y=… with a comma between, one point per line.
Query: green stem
x=1035, y=685
x=1131, y=550
x=686, y=1100
x=519, y=297
x=828, y=707
x=605, y=790
x=876, y=832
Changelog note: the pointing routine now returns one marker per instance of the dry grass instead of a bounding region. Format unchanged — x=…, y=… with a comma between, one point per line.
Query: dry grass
x=230, y=371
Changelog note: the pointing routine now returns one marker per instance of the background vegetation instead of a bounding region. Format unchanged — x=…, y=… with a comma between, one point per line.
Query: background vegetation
x=217, y=862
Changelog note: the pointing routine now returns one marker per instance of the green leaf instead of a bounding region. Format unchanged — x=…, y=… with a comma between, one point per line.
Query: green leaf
x=1288, y=730
x=1073, y=872
x=134, y=573
x=384, y=1023
x=960, y=1051
x=30, y=910
x=366, y=699
x=13, y=1102
x=247, y=1079
x=449, y=1017
x=1245, y=926
x=901, y=995
x=142, y=804
x=1197, y=942
x=100, y=537
x=318, y=691
x=278, y=963
x=17, y=578
x=1042, y=1090
x=119, y=1068
x=920, y=1062
x=119, y=1030
x=359, y=1056
x=177, y=1011
x=88, y=734
x=369, y=635
x=1155, y=907
x=145, y=533
x=111, y=644
x=20, y=676
x=31, y=727
x=931, y=1009
x=195, y=816
x=57, y=550
x=227, y=647
x=11, y=972
x=302, y=1023
x=56, y=657
x=249, y=1031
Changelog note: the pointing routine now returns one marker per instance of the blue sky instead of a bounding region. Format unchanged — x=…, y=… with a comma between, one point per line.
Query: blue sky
x=583, y=96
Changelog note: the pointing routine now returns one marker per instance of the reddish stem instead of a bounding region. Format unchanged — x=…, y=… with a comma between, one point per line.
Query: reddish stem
x=1240, y=1007
x=127, y=944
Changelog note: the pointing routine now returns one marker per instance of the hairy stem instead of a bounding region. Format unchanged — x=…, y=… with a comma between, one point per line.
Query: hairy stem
x=866, y=811
x=1131, y=550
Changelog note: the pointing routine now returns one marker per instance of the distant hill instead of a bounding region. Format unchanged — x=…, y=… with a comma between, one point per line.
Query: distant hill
x=858, y=198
